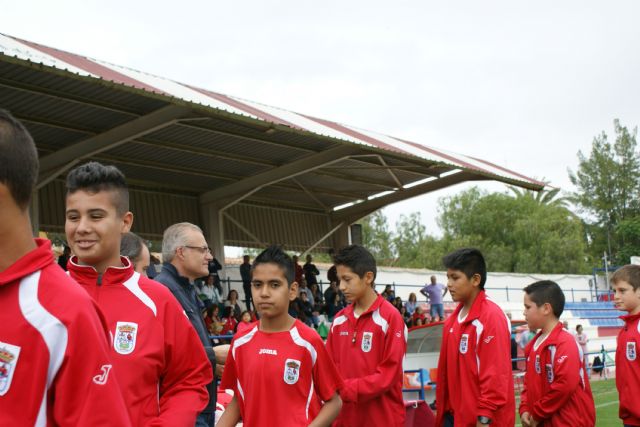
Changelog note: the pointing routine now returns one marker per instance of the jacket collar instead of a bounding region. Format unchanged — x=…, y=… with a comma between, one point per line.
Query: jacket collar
x=376, y=304
x=87, y=275
x=553, y=335
x=628, y=318
x=173, y=272
x=476, y=308
x=29, y=263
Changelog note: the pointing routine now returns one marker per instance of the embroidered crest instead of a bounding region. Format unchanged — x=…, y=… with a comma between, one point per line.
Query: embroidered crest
x=631, y=351
x=125, y=340
x=537, y=363
x=464, y=343
x=367, y=341
x=291, y=371
x=549, y=368
x=8, y=361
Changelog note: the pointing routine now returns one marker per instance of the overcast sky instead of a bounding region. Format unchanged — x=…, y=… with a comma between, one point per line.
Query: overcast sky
x=525, y=85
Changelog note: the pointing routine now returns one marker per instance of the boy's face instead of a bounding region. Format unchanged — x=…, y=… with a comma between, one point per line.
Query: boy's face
x=94, y=228
x=270, y=290
x=625, y=298
x=353, y=286
x=460, y=286
x=534, y=315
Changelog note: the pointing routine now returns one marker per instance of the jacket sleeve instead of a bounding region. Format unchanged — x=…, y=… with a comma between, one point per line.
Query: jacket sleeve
x=389, y=370
x=494, y=364
x=187, y=371
x=85, y=388
x=566, y=378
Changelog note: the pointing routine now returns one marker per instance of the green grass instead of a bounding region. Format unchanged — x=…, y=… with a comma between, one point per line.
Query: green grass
x=605, y=396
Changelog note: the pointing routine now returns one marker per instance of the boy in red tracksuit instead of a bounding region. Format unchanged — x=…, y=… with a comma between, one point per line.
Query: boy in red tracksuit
x=54, y=357
x=556, y=386
x=475, y=383
x=626, y=285
x=278, y=367
x=368, y=342
x=158, y=359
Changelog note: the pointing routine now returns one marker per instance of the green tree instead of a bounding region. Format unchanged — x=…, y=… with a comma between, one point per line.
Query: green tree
x=516, y=234
x=608, y=190
x=377, y=237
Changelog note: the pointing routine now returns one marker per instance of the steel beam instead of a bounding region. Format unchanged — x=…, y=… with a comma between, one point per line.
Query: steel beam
x=61, y=160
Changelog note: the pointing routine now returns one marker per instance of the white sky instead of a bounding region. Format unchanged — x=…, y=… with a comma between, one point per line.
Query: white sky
x=525, y=85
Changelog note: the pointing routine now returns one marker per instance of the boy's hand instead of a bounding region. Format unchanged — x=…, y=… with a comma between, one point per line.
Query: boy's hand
x=526, y=419
x=534, y=422
x=479, y=424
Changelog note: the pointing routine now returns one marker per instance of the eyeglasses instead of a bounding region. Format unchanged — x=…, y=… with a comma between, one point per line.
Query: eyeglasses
x=202, y=249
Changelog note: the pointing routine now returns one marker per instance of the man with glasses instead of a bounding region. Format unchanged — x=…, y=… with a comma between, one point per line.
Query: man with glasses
x=186, y=257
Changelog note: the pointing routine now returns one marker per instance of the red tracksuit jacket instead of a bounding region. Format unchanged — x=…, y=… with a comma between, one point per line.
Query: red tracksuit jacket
x=556, y=386
x=628, y=369
x=474, y=369
x=157, y=356
x=54, y=364
x=368, y=352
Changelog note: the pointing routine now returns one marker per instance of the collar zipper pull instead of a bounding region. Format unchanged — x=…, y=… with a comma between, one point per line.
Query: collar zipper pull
x=353, y=340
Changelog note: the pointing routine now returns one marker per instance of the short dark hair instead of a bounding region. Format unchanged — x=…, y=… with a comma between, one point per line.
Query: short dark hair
x=629, y=273
x=131, y=245
x=18, y=159
x=94, y=177
x=275, y=255
x=358, y=259
x=468, y=260
x=547, y=291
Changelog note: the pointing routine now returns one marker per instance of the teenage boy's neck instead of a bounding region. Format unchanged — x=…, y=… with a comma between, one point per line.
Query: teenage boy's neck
x=466, y=305
x=549, y=324
x=16, y=238
x=361, y=305
x=277, y=324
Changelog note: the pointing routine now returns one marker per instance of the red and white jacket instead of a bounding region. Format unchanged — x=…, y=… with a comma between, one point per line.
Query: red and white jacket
x=368, y=352
x=474, y=369
x=54, y=364
x=628, y=369
x=556, y=388
x=157, y=356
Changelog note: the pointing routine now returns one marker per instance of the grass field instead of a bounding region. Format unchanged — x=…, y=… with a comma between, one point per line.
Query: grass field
x=605, y=396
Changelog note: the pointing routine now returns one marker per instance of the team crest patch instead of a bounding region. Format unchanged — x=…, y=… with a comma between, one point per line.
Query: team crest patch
x=291, y=371
x=8, y=361
x=367, y=341
x=549, y=368
x=631, y=351
x=537, y=363
x=464, y=343
x=125, y=340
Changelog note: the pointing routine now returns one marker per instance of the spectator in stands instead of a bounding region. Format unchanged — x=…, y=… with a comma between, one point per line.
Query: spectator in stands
x=310, y=271
x=525, y=336
x=514, y=345
x=212, y=319
x=64, y=257
x=335, y=305
x=405, y=316
x=302, y=286
x=411, y=304
x=214, y=270
x=434, y=293
x=229, y=322
x=232, y=302
x=388, y=294
x=318, y=300
x=419, y=318
x=397, y=303
x=134, y=248
x=245, y=274
x=209, y=293
x=330, y=292
x=307, y=309
x=556, y=388
x=626, y=286
x=582, y=339
x=245, y=321
x=332, y=275
x=299, y=271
